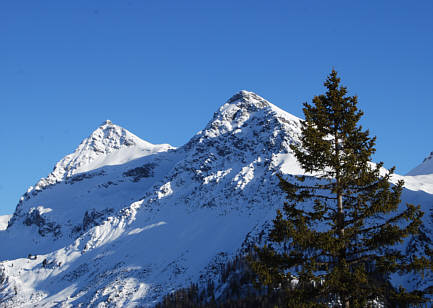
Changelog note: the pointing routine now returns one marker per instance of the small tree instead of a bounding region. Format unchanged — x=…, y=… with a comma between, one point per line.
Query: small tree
x=340, y=235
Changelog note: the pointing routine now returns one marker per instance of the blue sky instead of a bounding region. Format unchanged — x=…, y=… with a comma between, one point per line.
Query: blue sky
x=162, y=68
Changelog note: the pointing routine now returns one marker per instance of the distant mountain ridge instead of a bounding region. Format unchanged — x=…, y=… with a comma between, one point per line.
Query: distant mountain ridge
x=121, y=222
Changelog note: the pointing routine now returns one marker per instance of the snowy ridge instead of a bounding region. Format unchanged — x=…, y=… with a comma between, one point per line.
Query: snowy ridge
x=119, y=230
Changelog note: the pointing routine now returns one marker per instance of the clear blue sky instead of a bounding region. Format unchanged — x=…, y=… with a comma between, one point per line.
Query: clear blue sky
x=161, y=68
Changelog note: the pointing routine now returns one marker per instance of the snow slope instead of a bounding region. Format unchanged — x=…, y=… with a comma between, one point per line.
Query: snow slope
x=121, y=222
x=4, y=221
x=421, y=177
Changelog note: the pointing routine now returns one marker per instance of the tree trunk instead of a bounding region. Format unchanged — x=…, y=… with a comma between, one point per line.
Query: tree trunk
x=340, y=222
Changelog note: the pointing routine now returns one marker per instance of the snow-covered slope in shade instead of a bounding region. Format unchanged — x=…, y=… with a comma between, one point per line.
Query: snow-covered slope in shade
x=124, y=235
x=4, y=219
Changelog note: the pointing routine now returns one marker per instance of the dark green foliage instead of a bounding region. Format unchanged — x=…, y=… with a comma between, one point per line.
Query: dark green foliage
x=236, y=291
x=340, y=229
x=189, y=297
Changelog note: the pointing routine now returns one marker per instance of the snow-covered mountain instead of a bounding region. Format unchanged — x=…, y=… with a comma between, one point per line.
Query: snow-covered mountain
x=108, y=145
x=122, y=222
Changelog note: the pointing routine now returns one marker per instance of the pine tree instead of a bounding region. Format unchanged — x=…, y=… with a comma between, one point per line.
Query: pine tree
x=339, y=235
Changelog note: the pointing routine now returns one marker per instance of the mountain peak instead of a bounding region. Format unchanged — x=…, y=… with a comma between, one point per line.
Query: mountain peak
x=111, y=136
x=247, y=121
x=238, y=109
x=109, y=144
x=244, y=96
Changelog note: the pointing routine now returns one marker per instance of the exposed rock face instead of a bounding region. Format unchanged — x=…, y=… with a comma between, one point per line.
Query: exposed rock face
x=138, y=173
x=34, y=217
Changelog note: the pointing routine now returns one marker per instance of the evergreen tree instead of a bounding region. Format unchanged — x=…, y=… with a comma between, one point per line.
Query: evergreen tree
x=341, y=230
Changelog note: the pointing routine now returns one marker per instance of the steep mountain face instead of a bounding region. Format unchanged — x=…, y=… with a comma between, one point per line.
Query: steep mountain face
x=121, y=222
